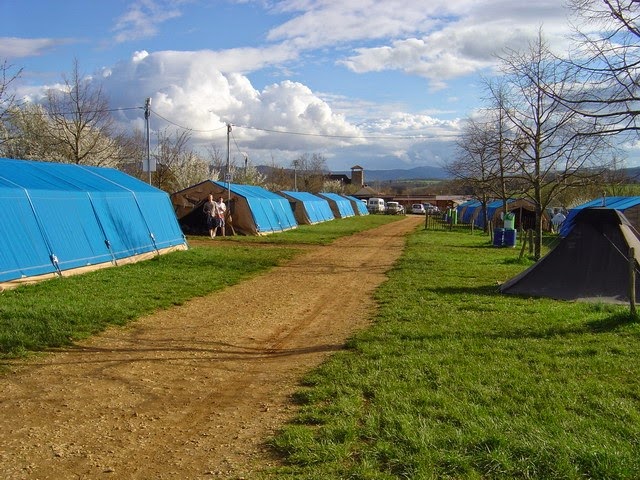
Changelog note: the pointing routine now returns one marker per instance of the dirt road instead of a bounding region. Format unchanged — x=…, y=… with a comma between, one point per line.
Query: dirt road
x=192, y=392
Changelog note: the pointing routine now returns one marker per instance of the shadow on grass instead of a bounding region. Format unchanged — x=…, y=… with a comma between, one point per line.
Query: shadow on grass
x=613, y=322
x=483, y=290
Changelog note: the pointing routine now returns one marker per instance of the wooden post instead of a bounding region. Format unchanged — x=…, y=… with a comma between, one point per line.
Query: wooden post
x=524, y=244
x=632, y=282
x=531, y=242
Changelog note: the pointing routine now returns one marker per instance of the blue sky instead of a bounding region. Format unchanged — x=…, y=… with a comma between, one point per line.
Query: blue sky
x=380, y=84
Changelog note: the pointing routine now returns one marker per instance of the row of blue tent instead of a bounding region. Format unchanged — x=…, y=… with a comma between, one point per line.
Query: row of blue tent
x=258, y=211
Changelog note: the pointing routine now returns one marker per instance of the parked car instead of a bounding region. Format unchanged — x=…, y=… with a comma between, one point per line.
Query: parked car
x=394, y=208
x=431, y=209
x=418, y=209
x=376, y=205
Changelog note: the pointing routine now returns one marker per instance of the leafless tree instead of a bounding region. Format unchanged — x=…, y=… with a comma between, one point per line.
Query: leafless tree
x=310, y=170
x=8, y=101
x=607, y=61
x=558, y=148
x=178, y=166
x=475, y=166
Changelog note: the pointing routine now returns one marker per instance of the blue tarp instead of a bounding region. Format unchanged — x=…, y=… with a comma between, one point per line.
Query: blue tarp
x=57, y=217
x=616, y=203
x=360, y=206
x=271, y=212
x=316, y=209
x=340, y=206
x=466, y=210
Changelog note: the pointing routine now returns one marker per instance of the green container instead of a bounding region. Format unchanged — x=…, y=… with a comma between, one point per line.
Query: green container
x=510, y=221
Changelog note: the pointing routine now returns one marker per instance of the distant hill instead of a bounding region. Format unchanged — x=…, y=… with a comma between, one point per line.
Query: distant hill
x=417, y=173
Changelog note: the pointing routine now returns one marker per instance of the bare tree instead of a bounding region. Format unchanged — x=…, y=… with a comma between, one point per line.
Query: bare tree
x=475, y=166
x=8, y=100
x=558, y=148
x=80, y=127
x=607, y=59
x=311, y=171
x=178, y=166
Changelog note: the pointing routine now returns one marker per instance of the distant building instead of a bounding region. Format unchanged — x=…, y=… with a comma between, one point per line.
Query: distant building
x=357, y=177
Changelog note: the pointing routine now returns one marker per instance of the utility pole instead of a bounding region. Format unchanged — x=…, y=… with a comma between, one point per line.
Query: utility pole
x=228, y=174
x=147, y=112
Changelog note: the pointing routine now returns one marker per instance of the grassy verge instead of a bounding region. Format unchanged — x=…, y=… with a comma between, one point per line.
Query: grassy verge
x=457, y=381
x=58, y=312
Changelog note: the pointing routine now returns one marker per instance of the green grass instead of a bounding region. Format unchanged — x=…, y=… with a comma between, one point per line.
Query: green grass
x=457, y=381
x=58, y=312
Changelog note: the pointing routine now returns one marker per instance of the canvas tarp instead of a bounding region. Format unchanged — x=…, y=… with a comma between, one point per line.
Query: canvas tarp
x=629, y=206
x=591, y=263
x=308, y=208
x=359, y=207
x=252, y=210
x=340, y=206
x=58, y=218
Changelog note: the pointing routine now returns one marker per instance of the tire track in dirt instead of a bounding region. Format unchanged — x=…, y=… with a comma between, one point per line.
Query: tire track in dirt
x=192, y=392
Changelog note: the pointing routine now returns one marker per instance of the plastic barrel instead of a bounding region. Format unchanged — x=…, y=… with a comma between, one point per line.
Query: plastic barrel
x=498, y=237
x=509, y=237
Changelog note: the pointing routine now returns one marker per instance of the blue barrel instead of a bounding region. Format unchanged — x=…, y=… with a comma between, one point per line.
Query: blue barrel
x=498, y=237
x=509, y=237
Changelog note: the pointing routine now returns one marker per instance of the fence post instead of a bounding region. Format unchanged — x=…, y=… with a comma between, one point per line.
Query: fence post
x=632, y=282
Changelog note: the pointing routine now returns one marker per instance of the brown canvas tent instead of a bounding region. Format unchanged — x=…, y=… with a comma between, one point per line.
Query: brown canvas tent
x=591, y=263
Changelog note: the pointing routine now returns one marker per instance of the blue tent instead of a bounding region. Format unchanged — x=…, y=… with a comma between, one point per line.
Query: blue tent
x=254, y=210
x=308, y=208
x=60, y=217
x=359, y=207
x=340, y=206
x=467, y=210
x=629, y=206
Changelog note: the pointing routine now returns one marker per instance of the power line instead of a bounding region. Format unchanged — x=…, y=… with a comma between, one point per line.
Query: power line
x=351, y=137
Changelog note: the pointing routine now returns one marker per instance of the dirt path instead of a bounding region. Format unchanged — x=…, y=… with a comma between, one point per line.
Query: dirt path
x=192, y=392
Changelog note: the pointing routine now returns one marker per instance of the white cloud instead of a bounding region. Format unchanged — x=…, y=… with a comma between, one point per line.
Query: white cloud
x=12, y=47
x=142, y=19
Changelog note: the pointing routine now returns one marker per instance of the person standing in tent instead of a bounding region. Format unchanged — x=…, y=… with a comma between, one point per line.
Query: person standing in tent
x=220, y=209
x=209, y=212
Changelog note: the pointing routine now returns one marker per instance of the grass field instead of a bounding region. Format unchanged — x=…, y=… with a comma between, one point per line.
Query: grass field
x=457, y=381
x=60, y=311
x=452, y=381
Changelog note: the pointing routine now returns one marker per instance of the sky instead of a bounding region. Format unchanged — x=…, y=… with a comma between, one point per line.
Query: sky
x=378, y=84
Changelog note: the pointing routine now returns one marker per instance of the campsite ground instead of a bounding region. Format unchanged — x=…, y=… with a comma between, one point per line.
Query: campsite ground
x=193, y=391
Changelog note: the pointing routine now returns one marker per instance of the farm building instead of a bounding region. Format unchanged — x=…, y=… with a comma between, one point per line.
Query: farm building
x=308, y=208
x=58, y=219
x=251, y=210
x=629, y=206
x=591, y=263
x=340, y=206
x=359, y=207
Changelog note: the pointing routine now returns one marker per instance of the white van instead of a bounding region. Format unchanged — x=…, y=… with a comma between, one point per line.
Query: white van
x=376, y=205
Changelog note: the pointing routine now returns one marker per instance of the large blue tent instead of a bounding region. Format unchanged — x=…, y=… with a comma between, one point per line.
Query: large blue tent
x=308, y=208
x=340, y=206
x=57, y=218
x=359, y=207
